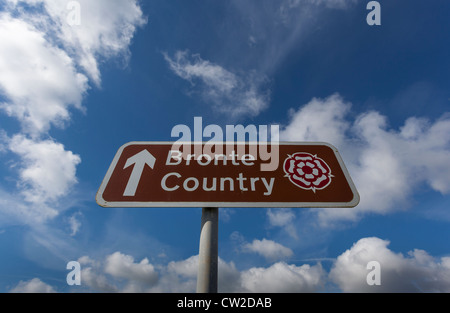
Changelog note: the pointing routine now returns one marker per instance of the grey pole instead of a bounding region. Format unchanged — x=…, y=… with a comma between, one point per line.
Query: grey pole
x=208, y=251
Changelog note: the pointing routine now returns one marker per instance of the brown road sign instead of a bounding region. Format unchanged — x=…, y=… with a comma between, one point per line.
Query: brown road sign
x=168, y=174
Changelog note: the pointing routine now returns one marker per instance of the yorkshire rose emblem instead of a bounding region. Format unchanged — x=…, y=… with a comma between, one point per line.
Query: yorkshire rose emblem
x=307, y=171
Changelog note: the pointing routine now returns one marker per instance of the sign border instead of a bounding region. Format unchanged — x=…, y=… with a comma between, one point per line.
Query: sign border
x=134, y=204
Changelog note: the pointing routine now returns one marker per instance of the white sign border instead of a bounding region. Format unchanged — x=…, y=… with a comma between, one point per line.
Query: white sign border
x=134, y=204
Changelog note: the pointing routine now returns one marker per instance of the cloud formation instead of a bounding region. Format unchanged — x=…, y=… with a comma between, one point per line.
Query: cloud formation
x=283, y=278
x=38, y=79
x=269, y=249
x=46, y=61
x=275, y=29
x=386, y=164
x=34, y=285
x=47, y=170
x=46, y=67
x=46, y=173
x=123, y=266
x=417, y=271
x=237, y=94
x=181, y=276
x=284, y=218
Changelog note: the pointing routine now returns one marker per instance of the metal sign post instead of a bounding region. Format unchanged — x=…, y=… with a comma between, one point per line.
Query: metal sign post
x=208, y=251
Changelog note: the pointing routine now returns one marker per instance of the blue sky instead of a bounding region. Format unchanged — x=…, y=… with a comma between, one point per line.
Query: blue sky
x=71, y=95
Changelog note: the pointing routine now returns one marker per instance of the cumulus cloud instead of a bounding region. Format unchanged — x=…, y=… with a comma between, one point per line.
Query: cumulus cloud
x=45, y=62
x=46, y=173
x=47, y=170
x=187, y=268
x=97, y=36
x=283, y=218
x=283, y=278
x=119, y=272
x=123, y=266
x=46, y=65
x=269, y=249
x=92, y=276
x=180, y=276
x=237, y=94
x=38, y=79
x=416, y=272
x=308, y=122
x=34, y=285
x=387, y=165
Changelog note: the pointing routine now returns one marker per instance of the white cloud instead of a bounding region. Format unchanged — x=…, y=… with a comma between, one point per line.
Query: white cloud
x=319, y=120
x=229, y=277
x=14, y=210
x=96, y=281
x=283, y=278
x=41, y=55
x=98, y=35
x=386, y=164
x=181, y=276
x=280, y=217
x=269, y=249
x=120, y=273
x=235, y=94
x=123, y=266
x=417, y=272
x=284, y=218
x=47, y=171
x=271, y=29
x=38, y=79
x=187, y=268
x=92, y=276
x=34, y=285
x=74, y=224
x=45, y=67
x=46, y=174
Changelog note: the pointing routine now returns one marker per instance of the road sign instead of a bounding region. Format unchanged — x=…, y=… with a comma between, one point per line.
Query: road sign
x=168, y=174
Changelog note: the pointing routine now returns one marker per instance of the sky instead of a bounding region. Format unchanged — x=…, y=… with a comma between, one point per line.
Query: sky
x=78, y=79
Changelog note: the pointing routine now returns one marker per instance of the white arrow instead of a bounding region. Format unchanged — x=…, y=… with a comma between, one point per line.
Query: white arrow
x=139, y=161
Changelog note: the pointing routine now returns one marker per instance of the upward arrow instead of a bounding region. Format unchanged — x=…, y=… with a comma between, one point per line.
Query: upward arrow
x=139, y=161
